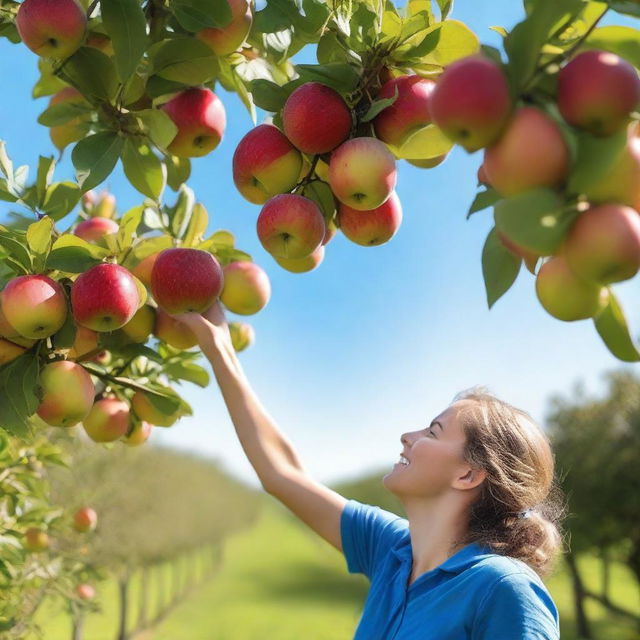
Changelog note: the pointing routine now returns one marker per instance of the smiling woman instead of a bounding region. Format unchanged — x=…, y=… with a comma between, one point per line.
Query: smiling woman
x=463, y=564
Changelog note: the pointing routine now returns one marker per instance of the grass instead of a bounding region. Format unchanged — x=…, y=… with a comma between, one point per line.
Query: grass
x=279, y=580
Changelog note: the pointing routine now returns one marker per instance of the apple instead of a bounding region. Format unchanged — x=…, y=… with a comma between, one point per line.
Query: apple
x=302, y=265
x=51, y=28
x=530, y=258
x=242, y=335
x=225, y=40
x=246, y=288
x=95, y=228
x=201, y=120
x=565, y=295
x=290, y=226
x=100, y=41
x=428, y=163
x=63, y=134
x=362, y=173
x=140, y=327
x=330, y=231
x=371, y=228
x=173, y=332
x=35, y=305
x=603, y=244
x=67, y=393
x=85, y=592
x=315, y=118
x=531, y=152
x=410, y=111
x=184, y=280
x=265, y=164
x=138, y=435
x=36, y=539
x=322, y=170
x=598, y=91
x=108, y=420
x=471, y=102
x=621, y=182
x=9, y=351
x=143, y=269
x=482, y=175
x=146, y=410
x=85, y=519
x=105, y=297
x=86, y=340
x=104, y=358
x=105, y=207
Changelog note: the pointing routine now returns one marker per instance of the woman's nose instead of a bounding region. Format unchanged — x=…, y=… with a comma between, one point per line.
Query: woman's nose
x=404, y=439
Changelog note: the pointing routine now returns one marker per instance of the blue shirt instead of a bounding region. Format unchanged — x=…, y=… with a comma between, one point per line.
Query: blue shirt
x=473, y=595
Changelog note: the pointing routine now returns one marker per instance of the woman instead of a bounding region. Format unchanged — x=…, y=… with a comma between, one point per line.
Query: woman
x=482, y=508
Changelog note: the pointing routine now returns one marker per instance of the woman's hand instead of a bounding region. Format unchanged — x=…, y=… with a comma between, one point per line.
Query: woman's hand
x=207, y=326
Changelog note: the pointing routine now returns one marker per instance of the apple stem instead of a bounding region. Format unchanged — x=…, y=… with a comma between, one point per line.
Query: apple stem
x=92, y=6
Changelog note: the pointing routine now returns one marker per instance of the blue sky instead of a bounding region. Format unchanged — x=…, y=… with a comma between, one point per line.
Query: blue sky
x=377, y=340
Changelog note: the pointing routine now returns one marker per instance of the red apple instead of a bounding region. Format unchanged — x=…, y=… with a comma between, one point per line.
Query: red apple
x=302, y=265
x=51, y=28
x=85, y=519
x=86, y=340
x=95, y=228
x=146, y=410
x=531, y=152
x=105, y=207
x=63, y=134
x=371, y=228
x=362, y=173
x=108, y=420
x=201, y=120
x=471, y=102
x=246, y=288
x=36, y=539
x=603, y=244
x=34, y=305
x=265, y=164
x=173, y=332
x=290, y=226
x=9, y=351
x=597, y=91
x=227, y=39
x=138, y=435
x=184, y=280
x=409, y=112
x=143, y=269
x=315, y=118
x=140, y=327
x=105, y=297
x=565, y=295
x=85, y=592
x=67, y=393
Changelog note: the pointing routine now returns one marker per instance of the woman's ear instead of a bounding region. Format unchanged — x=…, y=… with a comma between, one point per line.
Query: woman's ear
x=470, y=479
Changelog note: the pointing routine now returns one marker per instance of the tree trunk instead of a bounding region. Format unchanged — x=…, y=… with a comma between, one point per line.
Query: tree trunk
x=606, y=573
x=123, y=588
x=583, y=628
x=78, y=624
x=143, y=610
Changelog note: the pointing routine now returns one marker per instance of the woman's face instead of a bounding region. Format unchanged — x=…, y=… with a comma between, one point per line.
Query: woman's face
x=435, y=458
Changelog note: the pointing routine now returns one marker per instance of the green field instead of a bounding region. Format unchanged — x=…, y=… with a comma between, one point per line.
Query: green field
x=279, y=580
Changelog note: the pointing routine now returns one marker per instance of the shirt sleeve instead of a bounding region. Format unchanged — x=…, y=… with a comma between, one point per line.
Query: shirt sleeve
x=367, y=533
x=517, y=607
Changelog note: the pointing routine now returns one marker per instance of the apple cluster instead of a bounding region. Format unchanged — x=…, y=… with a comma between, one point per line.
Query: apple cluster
x=527, y=154
x=109, y=299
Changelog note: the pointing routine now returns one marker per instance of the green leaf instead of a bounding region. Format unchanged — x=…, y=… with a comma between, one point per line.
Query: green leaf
x=39, y=236
x=340, y=76
x=629, y=7
x=16, y=248
x=178, y=171
x=187, y=371
x=180, y=213
x=454, y=40
x=125, y=24
x=268, y=95
x=484, y=199
x=500, y=267
x=95, y=157
x=185, y=60
x=129, y=223
x=19, y=380
x=379, y=105
x=524, y=42
x=62, y=112
x=60, y=199
x=612, y=327
x=445, y=7
x=46, y=167
x=143, y=169
x=196, y=227
x=194, y=15
x=623, y=41
x=535, y=220
x=160, y=127
x=149, y=246
x=74, y=255
x=92, y=73
x=320, y=192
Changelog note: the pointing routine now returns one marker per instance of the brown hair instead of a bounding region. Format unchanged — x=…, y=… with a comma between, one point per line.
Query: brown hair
x=517, y=456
